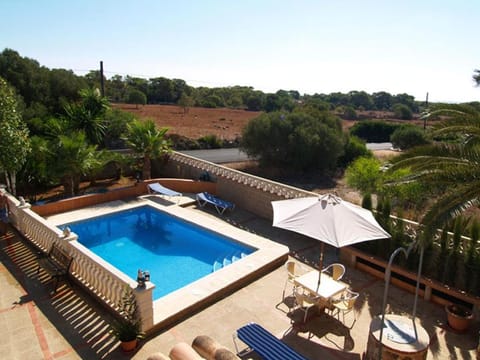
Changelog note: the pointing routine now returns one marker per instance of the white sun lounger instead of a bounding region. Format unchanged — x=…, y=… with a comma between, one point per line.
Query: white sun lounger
x=162, y=190
x=204, y=198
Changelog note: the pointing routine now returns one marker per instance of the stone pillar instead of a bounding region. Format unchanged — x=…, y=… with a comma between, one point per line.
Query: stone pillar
x=144, y=297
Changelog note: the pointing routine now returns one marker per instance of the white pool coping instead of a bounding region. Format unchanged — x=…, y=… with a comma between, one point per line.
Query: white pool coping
x=179, y=303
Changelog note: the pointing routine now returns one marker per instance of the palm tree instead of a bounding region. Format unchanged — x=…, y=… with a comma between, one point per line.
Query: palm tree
x=450, y=166
x=72, y=158
x=147, y=141
x=89, y=115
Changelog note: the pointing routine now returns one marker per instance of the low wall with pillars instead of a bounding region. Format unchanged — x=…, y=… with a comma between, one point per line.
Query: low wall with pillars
x=98, y=277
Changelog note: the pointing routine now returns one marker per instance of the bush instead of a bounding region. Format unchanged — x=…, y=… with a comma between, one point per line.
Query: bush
x=299, y=140
x=350, y=113
x=364, y=174
x=402, y=111
x=408, y=136
x=210, y=142
x=354, y=148
x=136, y=97
x=373, y=131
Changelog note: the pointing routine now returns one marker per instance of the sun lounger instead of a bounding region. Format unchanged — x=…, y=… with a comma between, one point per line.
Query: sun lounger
x=162, y=190
x=204, y=198
x=265, y=344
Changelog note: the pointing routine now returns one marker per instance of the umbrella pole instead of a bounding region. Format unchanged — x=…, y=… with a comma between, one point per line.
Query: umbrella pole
x=320, y=263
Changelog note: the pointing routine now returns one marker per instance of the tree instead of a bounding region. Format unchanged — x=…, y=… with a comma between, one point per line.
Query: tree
x=299, y=140
x=136, y=97
x=361, y=100
x=72, y=158
x=408, y=136
x=88, y=115
x=450, y=169
x=15, y=142
x=373, y=131
x=116, y=127
x=402, y=111
x=35, y=172
x=407, y=100
x=354, y=148
x=185, y=102
x=161, y=90
x=42, y=92
x=382, y=100
x=255, y=101
x=364, y=174
x=147, y=141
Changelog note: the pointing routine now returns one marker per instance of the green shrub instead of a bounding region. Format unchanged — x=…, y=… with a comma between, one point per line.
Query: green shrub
x=211, y=141
x=300, y=140
x=408, y=136
x=353, y=149
x=402, y=111
x=364, y=174
x=350, y=113
x=373, y=131
x=367, y=201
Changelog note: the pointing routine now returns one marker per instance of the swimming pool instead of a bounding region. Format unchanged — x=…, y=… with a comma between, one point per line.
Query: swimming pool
x=174, y=251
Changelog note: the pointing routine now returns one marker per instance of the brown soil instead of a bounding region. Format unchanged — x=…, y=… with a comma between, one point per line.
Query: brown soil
x=227, y=124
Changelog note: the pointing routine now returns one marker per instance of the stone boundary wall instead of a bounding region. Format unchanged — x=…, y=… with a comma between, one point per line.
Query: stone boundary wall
x=140, y=188
x=248, y=192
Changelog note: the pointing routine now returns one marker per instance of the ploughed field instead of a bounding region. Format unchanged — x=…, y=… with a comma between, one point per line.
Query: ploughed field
x=194, y=123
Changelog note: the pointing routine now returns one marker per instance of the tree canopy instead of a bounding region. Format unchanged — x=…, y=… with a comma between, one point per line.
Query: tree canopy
x=45, y=91
x=15, y=142
x=298, y=140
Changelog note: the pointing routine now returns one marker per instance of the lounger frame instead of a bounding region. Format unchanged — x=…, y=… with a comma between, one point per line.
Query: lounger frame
x=204, y=198
x=265, y=344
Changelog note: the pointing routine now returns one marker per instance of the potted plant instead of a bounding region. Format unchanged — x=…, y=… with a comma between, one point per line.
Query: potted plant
x=128, y=329
x=458, y=317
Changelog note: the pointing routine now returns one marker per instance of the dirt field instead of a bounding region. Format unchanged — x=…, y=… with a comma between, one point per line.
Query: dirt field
x=227, y=124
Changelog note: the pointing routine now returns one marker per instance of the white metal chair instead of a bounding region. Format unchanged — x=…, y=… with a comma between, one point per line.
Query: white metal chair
x=345, y=304
x=304, y=300
x=337, y=271
x=292, y=273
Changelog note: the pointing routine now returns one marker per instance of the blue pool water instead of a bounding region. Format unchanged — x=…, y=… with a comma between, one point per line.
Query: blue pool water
x=174, y=251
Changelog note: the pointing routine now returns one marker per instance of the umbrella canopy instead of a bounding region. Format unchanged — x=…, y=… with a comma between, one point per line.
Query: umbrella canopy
x=329, y=219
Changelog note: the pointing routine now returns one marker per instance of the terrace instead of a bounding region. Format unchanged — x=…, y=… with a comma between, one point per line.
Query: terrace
x=71, y=324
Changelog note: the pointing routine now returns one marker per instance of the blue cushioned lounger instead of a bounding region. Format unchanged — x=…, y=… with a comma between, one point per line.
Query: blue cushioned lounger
x=221, y=205
x=159, y=189
x=265, y=344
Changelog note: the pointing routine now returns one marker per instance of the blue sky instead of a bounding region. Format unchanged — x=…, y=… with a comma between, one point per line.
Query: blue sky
x=319, y=46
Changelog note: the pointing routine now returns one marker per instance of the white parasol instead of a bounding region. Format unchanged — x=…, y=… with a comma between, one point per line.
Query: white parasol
x=329, y=219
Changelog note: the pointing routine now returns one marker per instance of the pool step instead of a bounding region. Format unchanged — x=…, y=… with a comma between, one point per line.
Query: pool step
x=227, y=260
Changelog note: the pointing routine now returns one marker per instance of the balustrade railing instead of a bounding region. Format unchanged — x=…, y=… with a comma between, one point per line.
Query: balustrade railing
x=243, y=178
x=99, y=277
x=37, y=230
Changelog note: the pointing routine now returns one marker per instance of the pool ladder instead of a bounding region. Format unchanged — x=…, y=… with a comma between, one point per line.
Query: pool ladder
x=227, y=260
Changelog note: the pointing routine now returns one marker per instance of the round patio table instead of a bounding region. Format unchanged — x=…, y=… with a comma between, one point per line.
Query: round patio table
x=398, y=339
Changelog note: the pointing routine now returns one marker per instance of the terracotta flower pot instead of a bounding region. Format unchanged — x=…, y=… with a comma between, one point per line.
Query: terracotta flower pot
x=458, y=317
x=128, y=346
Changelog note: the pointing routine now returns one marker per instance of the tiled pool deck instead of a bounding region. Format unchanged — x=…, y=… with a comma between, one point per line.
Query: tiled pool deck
x=69, y=325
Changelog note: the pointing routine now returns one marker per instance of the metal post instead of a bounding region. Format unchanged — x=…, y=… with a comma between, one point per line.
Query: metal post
x=102, y=86
x=425, y=117
x=388, y=272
